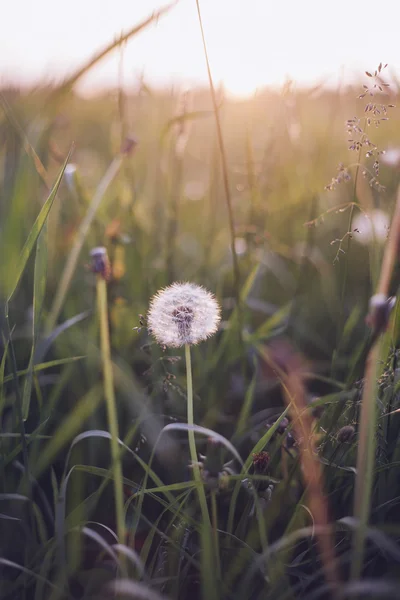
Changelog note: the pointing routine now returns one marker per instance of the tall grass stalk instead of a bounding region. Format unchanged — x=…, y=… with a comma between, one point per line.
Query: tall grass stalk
x=354, y=203
x=368, y=417
x=224, y=163
x=101, y=289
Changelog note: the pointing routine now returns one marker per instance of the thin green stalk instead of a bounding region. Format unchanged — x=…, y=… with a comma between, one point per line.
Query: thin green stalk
x=349, y=238
x=368, y=419
x=173, y=219
x=346, y=262
x=73, y=256
x=224, y=163
x=365, y=460
x=111, y=404
x=207, y=562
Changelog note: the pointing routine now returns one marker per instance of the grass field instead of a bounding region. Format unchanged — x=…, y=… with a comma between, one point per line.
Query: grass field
x=284, y=483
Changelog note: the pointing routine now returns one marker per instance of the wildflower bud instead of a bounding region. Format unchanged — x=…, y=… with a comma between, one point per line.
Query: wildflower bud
x=261, y=461
x=346, y=433
x=100, y=262
x=283, y=425
x=380, y=308
x=128, y=145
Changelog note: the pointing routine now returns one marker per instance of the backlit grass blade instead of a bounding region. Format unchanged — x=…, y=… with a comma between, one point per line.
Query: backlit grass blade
x=35, y=232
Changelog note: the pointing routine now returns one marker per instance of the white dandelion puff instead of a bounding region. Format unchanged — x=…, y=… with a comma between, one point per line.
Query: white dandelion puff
x=183, y=313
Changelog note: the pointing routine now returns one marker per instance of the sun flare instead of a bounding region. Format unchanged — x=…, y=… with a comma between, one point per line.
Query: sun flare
x=250, y=44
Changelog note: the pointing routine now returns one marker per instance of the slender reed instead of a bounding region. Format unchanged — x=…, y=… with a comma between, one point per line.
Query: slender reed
x=101, y=267
x=378, y=319
x=224, y=162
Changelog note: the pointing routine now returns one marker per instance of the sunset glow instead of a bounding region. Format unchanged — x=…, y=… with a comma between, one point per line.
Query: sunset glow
x=251, y=43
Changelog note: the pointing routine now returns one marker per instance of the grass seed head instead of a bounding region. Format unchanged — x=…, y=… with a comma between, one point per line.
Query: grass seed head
x=183, y=313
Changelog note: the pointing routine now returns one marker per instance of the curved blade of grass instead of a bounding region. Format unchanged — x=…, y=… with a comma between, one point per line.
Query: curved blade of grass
x=44, y=366
x=133, y=589
x=106, y=435
x=31, y=573
x=44, y=345
x=108, y=549
x=208, y=432
x=34, y=233
x=69, y=428
x=133, y=557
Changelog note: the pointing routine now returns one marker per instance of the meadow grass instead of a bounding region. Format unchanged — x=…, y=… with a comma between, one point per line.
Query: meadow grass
x=291, y=409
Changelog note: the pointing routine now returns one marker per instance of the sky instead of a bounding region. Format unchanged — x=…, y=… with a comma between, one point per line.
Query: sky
x=251, y=43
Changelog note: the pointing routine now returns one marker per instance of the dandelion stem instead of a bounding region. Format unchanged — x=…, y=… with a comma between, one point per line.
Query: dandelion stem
x=209, y=587
x=111, y=405
x=192, y=441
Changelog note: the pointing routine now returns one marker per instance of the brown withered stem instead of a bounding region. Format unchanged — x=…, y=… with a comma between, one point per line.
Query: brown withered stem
x=289, y=368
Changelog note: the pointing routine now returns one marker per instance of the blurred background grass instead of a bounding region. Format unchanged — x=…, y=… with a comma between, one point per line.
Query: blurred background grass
x=163, y=218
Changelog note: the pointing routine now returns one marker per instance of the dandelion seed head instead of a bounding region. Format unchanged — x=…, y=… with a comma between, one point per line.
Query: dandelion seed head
x=183, y=313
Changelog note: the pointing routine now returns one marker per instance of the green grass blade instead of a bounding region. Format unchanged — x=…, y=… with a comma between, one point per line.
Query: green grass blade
x=35, y=232
x=69, y=428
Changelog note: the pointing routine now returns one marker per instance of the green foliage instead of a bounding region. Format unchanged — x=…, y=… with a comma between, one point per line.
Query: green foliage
x=160, y=211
